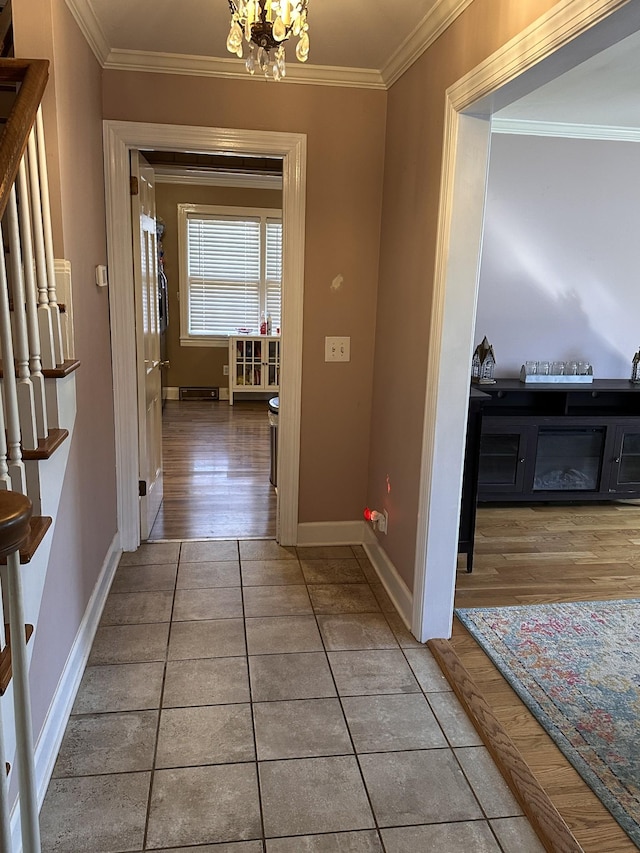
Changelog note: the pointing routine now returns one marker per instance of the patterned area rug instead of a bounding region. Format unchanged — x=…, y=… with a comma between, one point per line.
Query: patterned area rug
x=577, y=668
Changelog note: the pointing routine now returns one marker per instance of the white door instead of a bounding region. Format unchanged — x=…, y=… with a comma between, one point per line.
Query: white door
x=145, y=261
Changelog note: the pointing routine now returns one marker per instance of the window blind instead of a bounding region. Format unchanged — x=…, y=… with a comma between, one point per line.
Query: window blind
x=227, y=289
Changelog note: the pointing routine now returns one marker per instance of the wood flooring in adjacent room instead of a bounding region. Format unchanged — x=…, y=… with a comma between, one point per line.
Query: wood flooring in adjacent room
x=216, y=472
x=528, y=555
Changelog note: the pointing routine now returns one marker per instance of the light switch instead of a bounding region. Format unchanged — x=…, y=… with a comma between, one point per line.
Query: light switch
x=337, y=349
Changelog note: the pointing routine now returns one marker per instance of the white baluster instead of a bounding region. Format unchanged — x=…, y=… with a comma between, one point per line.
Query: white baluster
x=12, y=424
x=22, y=708
x=5, y=812
x=48, y=240
x=26, y=406
x=5, y=479
x=44, y=312
x=31, y=296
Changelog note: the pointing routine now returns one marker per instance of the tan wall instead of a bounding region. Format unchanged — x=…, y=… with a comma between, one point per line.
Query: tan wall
x=413, y=160
x=86, y=522
x=345, y=138
x=197, y=365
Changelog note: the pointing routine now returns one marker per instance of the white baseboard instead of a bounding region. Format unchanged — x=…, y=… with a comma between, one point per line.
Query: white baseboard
x=331, y=533
x=396, y=588
x=57, y=717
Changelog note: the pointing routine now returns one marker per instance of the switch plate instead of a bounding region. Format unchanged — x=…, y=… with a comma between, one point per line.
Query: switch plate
x=337, y=349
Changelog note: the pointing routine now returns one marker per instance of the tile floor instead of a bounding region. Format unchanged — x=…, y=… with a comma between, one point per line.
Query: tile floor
x=241, y=697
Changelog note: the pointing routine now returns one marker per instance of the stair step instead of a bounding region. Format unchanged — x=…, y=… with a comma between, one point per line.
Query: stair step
x=46, y=446
x=39, y=524
x=68, y=366
x=5, y=657
x=62, y=370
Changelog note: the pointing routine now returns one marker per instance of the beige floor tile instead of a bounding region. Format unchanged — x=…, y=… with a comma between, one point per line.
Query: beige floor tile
x=336, y=570
x=343, y=598
x=276, y=634
x=403, y=635
x=290, y=676
x=343, y=842
x=300, y=729
x=271, y=572
x=207, y=639
x=152, y=553
x=426, y=670
x=219, y=603
x=204, y=805
x=129, y=643
x=472, y=836
x=382, y=597
x=397, y=722
x=210, y=734
x=145, y=578
x=107, y=743
x=101, y=814
x=205, y=552
x=135, y=608
x=486, y=780
x=422, y=786
x=313, y=795
x=368, y=672
x=209, y=681
x=207, y=575
x=516, y=835
x=456, y=725
x=353, y=631
x=232, y=847
x=325, y=552
x=290, y=600
x=265, y=549
x=122, y=687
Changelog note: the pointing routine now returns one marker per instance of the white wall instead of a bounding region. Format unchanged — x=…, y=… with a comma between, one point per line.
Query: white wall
x=560, y=271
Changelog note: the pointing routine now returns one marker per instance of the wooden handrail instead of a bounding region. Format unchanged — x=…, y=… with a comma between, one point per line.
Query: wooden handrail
x=32, y=74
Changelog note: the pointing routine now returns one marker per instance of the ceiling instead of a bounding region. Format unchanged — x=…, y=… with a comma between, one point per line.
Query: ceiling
x=602, y=91
x=190, y=36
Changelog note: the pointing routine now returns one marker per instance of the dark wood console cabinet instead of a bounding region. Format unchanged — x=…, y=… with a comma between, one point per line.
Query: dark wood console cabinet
x=559, y=442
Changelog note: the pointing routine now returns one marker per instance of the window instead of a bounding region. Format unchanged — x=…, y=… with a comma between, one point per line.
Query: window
x=230, y=271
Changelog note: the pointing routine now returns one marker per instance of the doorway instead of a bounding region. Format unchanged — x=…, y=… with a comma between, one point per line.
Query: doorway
x=219, y=232
x=559, y=40
x=119, y=139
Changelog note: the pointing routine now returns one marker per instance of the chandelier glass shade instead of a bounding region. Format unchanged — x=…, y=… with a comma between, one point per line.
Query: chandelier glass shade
x=266, y=25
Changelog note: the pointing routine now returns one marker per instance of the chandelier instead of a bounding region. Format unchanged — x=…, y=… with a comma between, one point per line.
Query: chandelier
x=266, y=25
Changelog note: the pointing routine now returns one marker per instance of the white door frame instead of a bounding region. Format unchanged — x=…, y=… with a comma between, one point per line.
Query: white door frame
x=119, y=138
x=459, y=241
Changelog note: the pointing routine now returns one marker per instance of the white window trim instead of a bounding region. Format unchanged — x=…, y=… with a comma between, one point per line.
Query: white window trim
x=263, y=213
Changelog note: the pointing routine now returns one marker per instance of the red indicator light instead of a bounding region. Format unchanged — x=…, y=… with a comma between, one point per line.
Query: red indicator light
x=367, y=514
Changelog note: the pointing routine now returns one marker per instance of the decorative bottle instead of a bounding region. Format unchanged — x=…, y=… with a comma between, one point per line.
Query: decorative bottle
x=269, y=324
x=263, y=324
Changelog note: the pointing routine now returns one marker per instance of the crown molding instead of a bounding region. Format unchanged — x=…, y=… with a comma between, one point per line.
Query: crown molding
x=211, y=66
x=210, y=178
x=90, y=27
x=428, y=30
x=434, y=23
x=565, y=129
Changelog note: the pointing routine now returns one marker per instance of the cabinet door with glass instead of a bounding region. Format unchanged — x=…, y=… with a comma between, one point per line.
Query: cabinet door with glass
x=503, y=456
x=254, y=365
x=625, y=462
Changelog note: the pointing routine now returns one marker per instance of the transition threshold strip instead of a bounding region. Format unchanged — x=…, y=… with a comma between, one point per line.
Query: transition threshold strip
x=550, y=827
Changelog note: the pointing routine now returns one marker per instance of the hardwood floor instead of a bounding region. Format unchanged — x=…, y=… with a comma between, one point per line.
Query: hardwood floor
x=216, y=472
x=527, y=555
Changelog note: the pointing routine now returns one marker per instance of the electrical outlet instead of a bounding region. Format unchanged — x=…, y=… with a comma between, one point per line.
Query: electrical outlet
x=383, y=521
x=337, y=349
x=225, y=370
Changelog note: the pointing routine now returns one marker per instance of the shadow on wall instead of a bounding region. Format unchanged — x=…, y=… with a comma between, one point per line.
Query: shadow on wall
x=537, y=316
